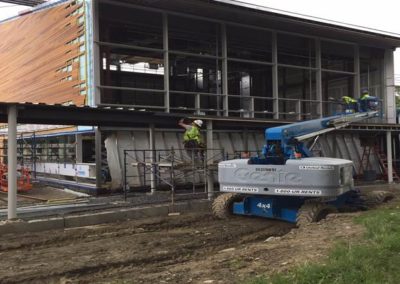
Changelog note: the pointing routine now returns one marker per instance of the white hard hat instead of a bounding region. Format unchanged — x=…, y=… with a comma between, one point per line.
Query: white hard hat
x=198, y=122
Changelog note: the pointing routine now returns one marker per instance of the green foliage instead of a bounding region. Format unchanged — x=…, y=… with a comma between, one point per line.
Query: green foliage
x=374, y=260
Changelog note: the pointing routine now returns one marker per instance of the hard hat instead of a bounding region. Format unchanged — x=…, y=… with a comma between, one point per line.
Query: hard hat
x=198, y=122
x=365, y=91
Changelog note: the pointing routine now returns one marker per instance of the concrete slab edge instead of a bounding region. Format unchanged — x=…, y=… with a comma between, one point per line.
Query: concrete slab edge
x=89, y=219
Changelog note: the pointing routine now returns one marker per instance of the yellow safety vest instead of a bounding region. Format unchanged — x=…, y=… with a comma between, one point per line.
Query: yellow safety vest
x=192, y=134
x=348, y=100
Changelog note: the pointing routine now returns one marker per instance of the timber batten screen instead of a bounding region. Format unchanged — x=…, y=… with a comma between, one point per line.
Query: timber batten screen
x=42, y=56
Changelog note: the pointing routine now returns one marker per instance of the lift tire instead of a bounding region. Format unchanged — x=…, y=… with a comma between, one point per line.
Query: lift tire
x=375, y=198
x=222, y=205
x=311, y=212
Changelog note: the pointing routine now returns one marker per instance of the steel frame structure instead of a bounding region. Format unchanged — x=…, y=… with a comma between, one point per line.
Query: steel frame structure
x=225, y=95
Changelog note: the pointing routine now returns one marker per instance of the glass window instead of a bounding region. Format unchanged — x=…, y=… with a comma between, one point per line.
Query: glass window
x=297, y=93
x=251, y=44
x=334, y=87
x=193, y=36
x=294, y=50
x=245, y=81
x=371, y=69
x=132, y=68
x=195, y=74
x=130, y=26
x=337, y=56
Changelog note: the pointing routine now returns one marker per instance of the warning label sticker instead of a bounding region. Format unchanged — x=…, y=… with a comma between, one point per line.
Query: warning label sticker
x=226, y=165
x=316, y=168
x=239, y=189
x=310, y=192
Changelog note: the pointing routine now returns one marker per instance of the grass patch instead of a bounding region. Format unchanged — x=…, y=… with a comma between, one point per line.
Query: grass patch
x=373, y=260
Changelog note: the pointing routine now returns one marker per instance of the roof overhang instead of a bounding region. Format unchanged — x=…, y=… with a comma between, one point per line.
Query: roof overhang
x=248, y=14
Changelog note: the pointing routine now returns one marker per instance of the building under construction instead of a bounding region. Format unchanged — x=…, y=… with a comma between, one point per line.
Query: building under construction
x=241, y=68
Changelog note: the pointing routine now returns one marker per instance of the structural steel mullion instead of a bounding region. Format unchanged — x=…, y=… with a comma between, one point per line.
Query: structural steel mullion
x=96, y=53
x=166, y=62
x=318, y=75
x=356, y=72
x=275, y=82
x=224, y=49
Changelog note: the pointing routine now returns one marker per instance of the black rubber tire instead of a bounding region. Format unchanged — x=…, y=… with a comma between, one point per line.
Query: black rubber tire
x=375, y=198
x=222, y=205
x=313, y=211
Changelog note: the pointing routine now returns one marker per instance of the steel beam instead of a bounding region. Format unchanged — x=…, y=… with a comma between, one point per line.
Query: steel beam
x=12, y=162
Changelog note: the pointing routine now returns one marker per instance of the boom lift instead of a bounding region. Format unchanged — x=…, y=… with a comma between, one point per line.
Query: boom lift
x=287, y=183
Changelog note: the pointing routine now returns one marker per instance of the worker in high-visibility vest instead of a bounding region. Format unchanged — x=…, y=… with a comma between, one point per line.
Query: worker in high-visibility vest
x=192, y=139
x=368, y=102
x=351, y=104
x=364, y=94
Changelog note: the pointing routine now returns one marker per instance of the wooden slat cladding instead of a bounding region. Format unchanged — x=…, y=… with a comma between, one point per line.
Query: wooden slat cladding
x=39, y=56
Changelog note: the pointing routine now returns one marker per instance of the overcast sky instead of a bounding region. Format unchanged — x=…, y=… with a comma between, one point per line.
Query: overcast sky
x=382, y=15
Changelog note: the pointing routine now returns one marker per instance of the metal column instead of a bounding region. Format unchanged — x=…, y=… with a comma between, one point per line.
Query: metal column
x=275, y=82
x=12, y=162
x=78, y=148
x=152, y=144
x=210, y=159
x=389, y=156
x=318, y=75
x=388, y=89
x=166, y=63
x=98, y=149
x=97, y=60
x=357, y=90
x=224, y=50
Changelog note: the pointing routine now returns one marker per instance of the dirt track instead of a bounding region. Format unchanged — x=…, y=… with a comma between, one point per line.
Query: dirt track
x=180, y=249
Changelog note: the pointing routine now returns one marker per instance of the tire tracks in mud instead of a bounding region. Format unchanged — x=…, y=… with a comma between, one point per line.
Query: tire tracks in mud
x=139, y=247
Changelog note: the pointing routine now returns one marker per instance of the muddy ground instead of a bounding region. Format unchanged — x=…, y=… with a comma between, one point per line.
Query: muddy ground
x=190, y=248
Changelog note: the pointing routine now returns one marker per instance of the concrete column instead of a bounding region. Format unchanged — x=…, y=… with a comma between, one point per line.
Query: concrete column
x=357, y=90
x=166, y=63
x=152, y=144
x=275, y=82
x=318, y=76
x=78, y=148
x=224, y=50
x=389, y=156
x=98, y=149
x=12, y=162
x=210, y=160
x=388, y=89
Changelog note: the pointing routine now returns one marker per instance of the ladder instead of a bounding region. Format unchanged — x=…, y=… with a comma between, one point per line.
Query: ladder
x=384, y=164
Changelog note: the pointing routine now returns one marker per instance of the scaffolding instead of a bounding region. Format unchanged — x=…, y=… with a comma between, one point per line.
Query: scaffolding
x=178, y=170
